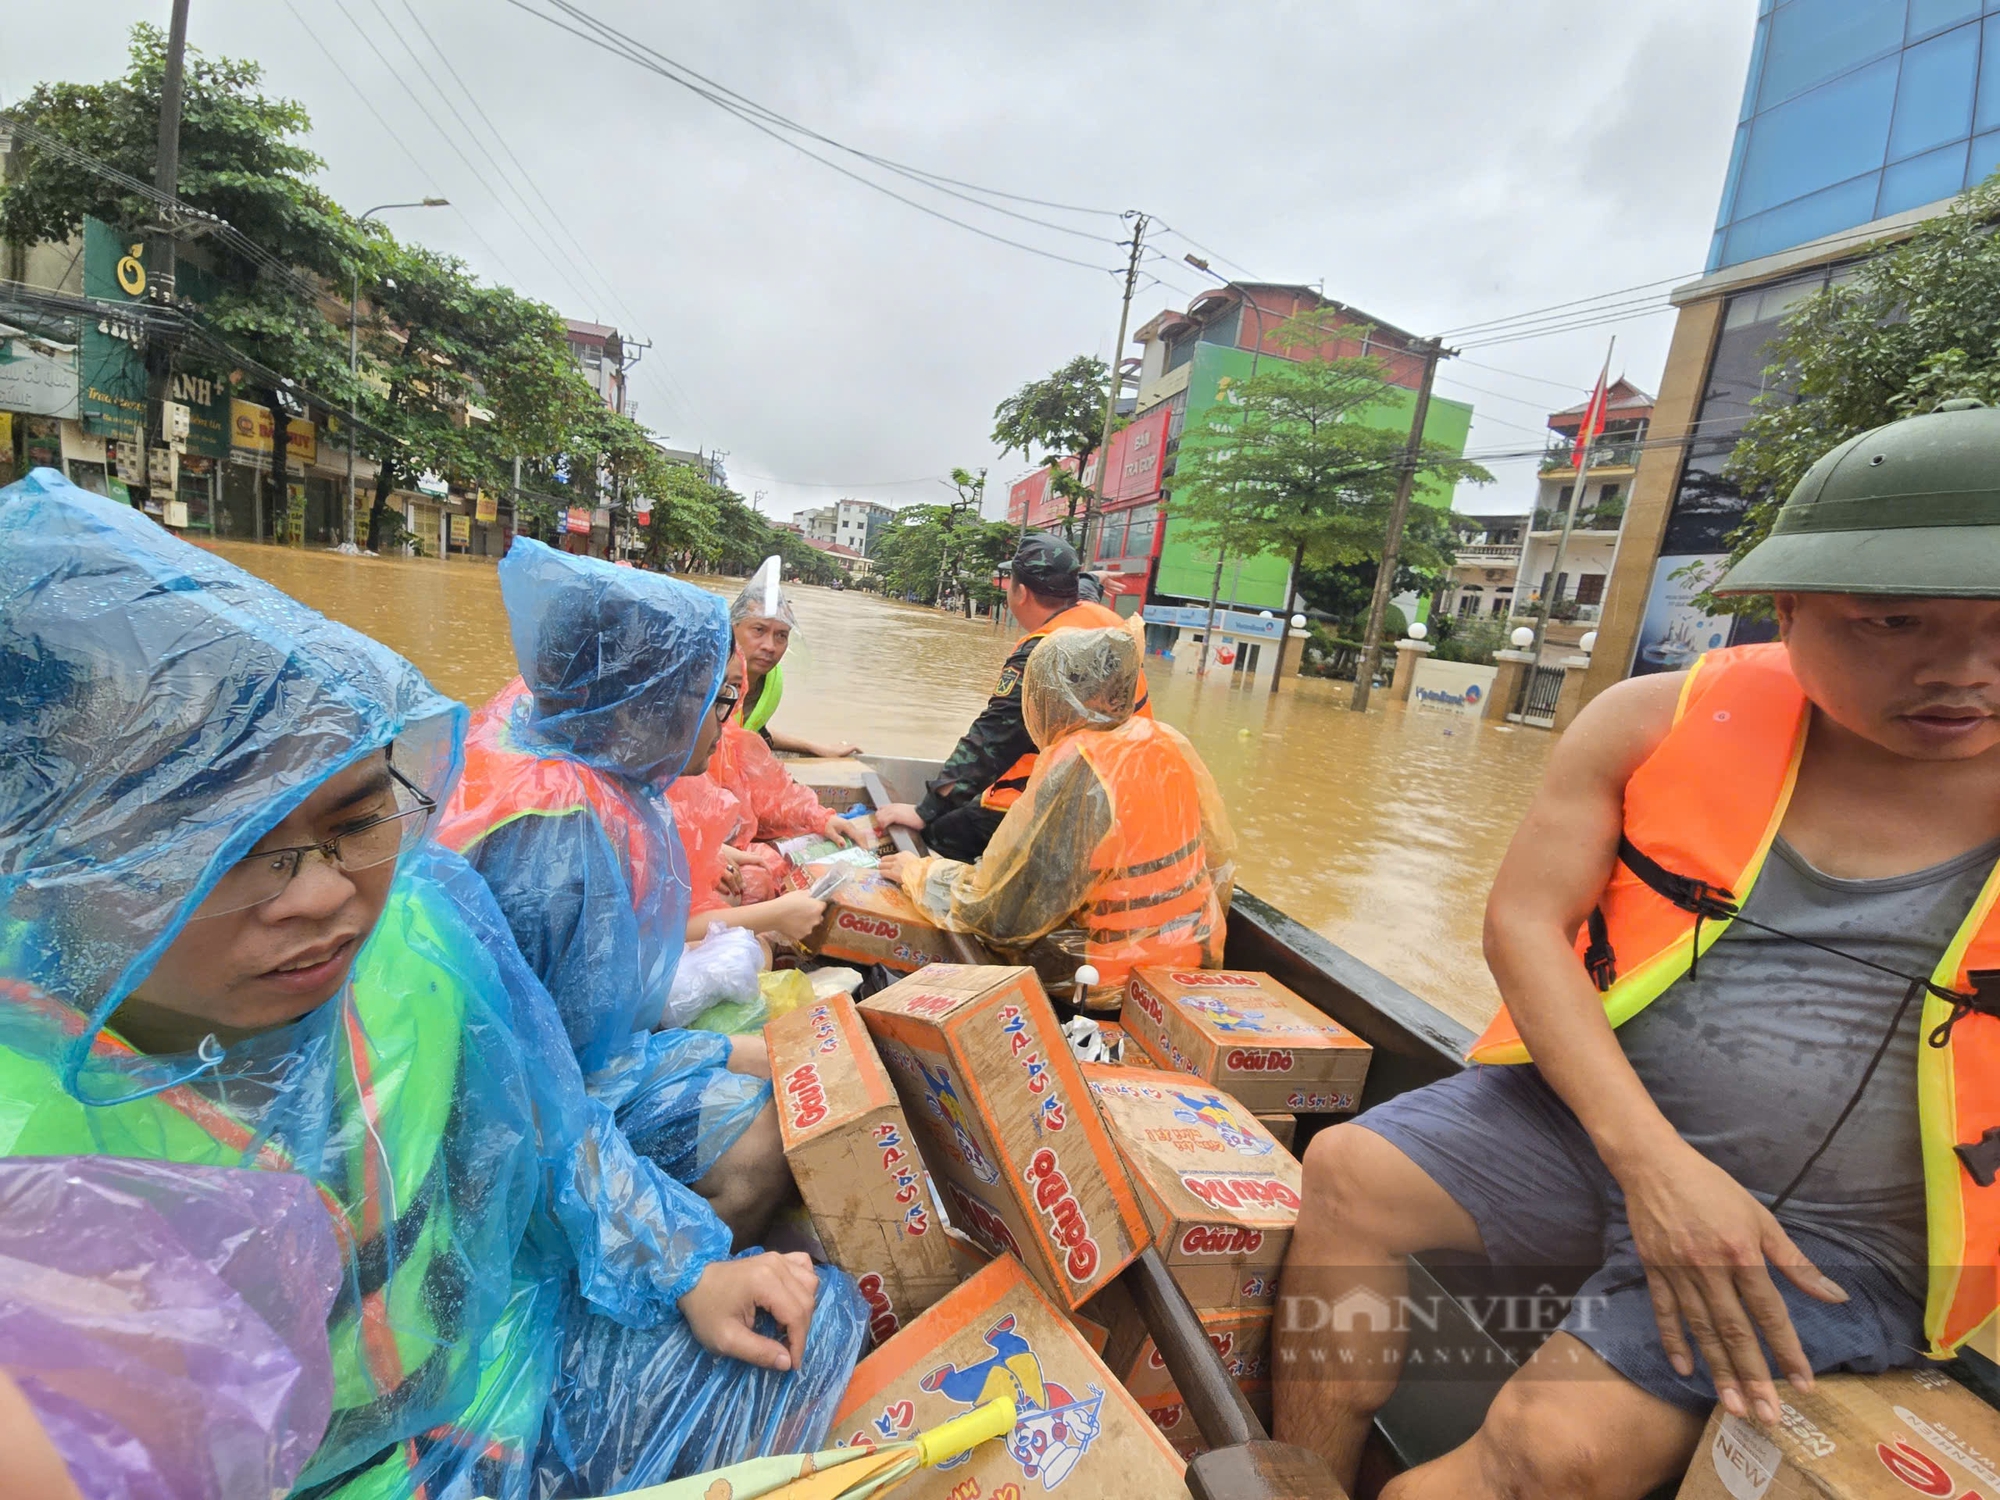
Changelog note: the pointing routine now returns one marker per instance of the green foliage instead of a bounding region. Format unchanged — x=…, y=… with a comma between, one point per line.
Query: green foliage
x=939, y=553
x=1344, y=589
x=1470, y=639
x=1918, y=324
x=1287, y=462
x=1062, y=416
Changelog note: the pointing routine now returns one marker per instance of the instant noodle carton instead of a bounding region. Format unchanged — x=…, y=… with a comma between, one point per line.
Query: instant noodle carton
x=1249, y=1035
x=1176, y=1423
x=1284, y=1127
x=1241, y=1335
x=1078, y=1435
x=839, y=783
x=857, y=1163
x=1019, y=1152
x=1904, y=1433
x=870, y=921
x=1219, y=1193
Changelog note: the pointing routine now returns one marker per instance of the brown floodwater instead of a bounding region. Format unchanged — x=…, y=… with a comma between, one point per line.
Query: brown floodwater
x=1381, y=831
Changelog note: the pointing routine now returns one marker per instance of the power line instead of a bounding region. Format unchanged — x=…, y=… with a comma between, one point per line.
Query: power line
x=630, y=54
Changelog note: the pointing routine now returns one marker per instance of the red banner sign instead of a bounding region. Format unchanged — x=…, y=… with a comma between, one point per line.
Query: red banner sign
x=1137, y=455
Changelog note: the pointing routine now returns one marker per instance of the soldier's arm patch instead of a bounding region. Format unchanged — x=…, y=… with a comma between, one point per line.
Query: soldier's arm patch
x=1010, y=681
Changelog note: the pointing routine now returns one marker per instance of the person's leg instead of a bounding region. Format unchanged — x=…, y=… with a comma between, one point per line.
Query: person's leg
x=1367, y=1207
x=750, y=1181
x=963, y=833
x=1565, y=1424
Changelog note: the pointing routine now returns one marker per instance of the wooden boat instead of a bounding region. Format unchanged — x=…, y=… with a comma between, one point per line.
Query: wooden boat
x=1415, y=1044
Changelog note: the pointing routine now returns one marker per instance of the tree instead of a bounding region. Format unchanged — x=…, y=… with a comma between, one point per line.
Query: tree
x=1919, y=324
x=1062, y=416
x=1344, y=589
x=938, y=552
x=1289, y=461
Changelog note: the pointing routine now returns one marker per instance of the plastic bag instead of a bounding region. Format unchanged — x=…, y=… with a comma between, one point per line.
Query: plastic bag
x=763, y=597
x=721, y=967
x=785, y=990
x=167, y=1323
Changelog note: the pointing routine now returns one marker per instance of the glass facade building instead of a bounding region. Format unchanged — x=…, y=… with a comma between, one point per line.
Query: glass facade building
x=1855, y=110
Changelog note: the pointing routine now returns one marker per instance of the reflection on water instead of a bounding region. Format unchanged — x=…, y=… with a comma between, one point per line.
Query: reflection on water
x=1381, y=831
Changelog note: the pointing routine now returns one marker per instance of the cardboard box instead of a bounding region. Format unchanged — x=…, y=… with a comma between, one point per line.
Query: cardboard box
x=968, y=1256
x=1241, y=1336
x=1249, y=1036
x=1904, y=1433
x=857, y=1162
x=838, y=783
x=870, y=921
x=1007, y=1125
x=1220, y=1195
x=1078, y=1432
x=1284, y=1127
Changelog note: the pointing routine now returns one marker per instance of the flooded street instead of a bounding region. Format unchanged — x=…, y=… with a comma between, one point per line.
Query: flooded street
x=1380, y=831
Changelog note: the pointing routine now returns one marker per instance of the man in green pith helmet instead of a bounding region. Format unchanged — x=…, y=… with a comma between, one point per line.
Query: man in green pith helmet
x=1749, y=933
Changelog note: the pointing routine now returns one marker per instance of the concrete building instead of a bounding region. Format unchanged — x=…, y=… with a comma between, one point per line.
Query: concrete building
x=1488, y=567
x=820, y=525
x=856, y=524
x=600, y=354
x=1860, y=119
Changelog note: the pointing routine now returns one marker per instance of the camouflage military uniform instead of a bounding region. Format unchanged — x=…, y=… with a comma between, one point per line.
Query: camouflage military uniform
x=955, y=825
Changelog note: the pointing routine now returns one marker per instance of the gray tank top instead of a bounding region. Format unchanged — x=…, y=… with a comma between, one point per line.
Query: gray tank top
x=1753, y=1059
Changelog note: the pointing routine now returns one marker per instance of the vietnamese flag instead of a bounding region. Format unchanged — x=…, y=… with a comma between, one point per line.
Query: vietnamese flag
x=1594, y=412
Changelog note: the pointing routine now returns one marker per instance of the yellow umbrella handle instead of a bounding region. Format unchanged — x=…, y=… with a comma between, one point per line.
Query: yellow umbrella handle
x=963, y=1434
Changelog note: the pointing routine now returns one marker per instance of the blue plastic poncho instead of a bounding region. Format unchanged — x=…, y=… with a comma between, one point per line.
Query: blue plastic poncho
x=502, y=1244
x=562, y=811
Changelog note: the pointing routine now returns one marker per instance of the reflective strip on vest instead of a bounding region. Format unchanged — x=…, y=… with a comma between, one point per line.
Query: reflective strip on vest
x=1084, y=615
x=1708, y=803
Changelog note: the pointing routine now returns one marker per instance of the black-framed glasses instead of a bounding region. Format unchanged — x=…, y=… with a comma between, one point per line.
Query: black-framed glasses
x=726, y=701
x=263, y=876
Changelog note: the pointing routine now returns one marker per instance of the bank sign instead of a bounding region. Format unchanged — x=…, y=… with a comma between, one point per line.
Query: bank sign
x=1452, y=687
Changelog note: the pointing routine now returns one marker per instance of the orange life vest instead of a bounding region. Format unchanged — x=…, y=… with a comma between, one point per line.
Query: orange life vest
x=1083, y=615
x=1707, y=804
x=1151, y=899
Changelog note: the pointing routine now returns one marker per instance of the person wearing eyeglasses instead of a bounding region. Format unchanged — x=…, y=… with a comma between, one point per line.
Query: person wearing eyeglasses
x=226, y=943
x=562, y=809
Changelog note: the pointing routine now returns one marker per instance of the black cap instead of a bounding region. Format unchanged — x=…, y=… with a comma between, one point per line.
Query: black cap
x=1048, y=565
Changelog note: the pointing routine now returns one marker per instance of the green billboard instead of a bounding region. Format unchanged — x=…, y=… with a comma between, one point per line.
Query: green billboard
x=1187, y=569
x=111, y=376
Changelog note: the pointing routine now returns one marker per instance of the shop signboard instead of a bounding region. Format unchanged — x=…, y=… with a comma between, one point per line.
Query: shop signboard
x=1675, y=630
x=461, y=530
x=485, y=509
x=301, y=443
x=1136, y=457
x=207, y=400
x=37, y=378
x=252, y=430
x=111, y=387
x=1259, y=627
x=1458, y=688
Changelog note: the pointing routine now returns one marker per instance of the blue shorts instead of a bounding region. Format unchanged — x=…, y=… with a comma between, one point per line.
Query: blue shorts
x=1510, y=1153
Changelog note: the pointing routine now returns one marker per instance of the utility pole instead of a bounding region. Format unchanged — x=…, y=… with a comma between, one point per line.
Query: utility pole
x=1111, y=391
x=160, y=275
x=1392, y=540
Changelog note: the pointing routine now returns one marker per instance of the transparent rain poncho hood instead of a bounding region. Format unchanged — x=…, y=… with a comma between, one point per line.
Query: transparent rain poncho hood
x=1119, y=851
x=763, y=597
x=621, y=663
x=505, y=1254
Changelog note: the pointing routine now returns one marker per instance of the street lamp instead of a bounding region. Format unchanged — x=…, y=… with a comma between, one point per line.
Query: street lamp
x=354, y=348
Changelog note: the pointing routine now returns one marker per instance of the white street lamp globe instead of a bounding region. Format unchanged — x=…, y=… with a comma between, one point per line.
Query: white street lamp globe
x=1523, y=638
x=1298, y=622
x=1263, y=614
x=1589, y=642
x=1417, y=630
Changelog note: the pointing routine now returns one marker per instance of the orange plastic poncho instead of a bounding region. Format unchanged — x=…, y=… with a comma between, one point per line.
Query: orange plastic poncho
x=1119, y=852
x=707, y=815
x=780, y=806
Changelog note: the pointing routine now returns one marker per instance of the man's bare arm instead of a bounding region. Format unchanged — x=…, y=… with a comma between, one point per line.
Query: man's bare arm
x=1704, y=1240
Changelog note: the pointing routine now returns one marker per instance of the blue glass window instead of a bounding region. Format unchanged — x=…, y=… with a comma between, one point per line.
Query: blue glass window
x=1928, y=16
x=1986, y=116
x=1834, y=133
x=1922, y=179
x=1934, y=101
x=1814, y=40
x=1985, y=158
x=1839, y=207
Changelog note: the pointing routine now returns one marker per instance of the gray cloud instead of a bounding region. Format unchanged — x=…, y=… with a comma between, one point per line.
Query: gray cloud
x=1435, y=163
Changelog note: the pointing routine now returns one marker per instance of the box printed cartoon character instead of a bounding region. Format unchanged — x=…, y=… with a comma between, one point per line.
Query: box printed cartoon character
x=1227, y=1017
x=941, y=1098
x=1207, y=1109
x=1054, y=1429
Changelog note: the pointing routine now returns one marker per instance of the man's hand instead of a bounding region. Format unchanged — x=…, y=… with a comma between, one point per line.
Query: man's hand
x=1705, y=1242
x=838, y=750
x=850, y=831
x=793, y=915
x=900, y=815
x=731, y=879
x=721, y=1311
x=891, y=867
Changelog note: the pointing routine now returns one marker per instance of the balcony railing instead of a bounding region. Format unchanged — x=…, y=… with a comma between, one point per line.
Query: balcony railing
x=1598, y=518
x=1567, y=612
x=1486, y=553
x=1618, y=451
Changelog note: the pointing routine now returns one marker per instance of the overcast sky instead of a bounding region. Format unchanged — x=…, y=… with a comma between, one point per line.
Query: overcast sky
x=1435, y=162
